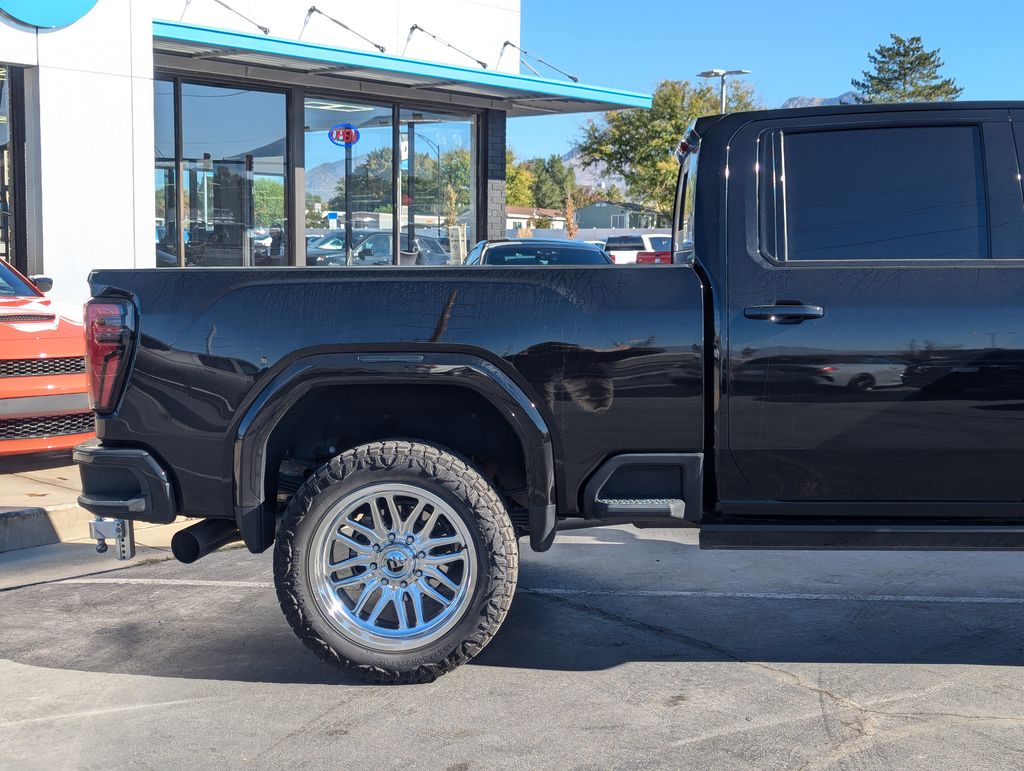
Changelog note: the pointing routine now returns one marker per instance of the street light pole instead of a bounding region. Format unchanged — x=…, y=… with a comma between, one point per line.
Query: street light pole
x=722, y=75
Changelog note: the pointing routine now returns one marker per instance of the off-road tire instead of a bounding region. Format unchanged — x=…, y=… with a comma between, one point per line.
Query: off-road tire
x=445, y=474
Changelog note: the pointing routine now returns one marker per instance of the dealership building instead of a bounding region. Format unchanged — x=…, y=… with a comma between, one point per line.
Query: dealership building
x=144, y=133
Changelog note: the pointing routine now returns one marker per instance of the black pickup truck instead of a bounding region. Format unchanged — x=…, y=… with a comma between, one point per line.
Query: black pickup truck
x=834, y=359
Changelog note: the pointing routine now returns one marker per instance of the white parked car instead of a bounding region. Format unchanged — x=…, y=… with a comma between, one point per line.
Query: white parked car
x=864, y=374
x=624, y=249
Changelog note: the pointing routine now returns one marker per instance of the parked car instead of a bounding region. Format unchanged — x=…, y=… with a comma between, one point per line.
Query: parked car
x=536, y=251
x=810, y=371
x=864, y=373
x=392, y=437
x=624, y=249
x=374, y=248
x=44, y=403
x=329, y=244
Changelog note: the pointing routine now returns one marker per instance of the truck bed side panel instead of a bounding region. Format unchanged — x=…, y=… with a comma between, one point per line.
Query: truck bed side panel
x=612, y=356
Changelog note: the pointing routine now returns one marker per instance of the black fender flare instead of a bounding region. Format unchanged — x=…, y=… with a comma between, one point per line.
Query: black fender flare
x=256, y=521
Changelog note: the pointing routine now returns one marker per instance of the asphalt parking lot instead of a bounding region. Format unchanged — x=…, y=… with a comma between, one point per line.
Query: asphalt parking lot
x=624, y=648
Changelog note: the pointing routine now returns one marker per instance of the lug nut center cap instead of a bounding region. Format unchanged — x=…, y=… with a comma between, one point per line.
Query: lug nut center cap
x=397, y=563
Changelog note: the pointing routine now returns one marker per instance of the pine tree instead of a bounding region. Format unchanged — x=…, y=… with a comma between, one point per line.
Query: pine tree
x=905, y=72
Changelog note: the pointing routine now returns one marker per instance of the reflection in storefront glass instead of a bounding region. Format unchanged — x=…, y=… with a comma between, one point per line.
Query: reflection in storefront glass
x=233, y=151
x=6, y=172
x=164, y=176
x=438, y=183
x=220, y=180
x=349, y=187
x=233, y=163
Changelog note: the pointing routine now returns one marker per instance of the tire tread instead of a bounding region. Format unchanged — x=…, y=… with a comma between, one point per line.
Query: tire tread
x=461, y=478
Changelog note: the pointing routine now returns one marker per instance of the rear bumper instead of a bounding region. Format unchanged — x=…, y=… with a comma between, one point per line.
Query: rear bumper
x=124, y=482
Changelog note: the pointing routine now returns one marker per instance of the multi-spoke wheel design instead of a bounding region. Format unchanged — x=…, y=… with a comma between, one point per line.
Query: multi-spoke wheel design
x=396, y=560
x=392, y=566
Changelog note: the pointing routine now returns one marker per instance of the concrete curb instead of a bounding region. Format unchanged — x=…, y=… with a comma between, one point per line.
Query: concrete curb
x=24, y=528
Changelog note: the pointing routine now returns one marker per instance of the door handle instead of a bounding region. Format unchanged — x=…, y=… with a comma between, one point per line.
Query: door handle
x=784, y=314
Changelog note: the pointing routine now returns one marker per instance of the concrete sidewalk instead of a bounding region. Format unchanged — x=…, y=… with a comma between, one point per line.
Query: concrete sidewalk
x=39, y=508
x=57, y=561
x=78, y=557
x=39, y=501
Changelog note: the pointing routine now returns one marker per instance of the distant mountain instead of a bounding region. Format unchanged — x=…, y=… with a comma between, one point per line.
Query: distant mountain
x=850, y=97
x=322, y=179
x=596, y=176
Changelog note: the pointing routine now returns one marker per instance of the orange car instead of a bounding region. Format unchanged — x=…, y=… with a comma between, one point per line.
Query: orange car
x=44, y=402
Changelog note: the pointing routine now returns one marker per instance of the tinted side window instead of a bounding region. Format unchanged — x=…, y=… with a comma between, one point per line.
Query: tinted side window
x=911, y=193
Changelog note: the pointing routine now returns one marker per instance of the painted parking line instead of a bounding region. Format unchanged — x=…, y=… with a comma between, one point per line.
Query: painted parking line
x=909, y=598
x=93, y=713
x=173, y=582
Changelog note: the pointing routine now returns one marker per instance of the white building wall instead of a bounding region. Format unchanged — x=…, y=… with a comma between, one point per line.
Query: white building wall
x=89, y=127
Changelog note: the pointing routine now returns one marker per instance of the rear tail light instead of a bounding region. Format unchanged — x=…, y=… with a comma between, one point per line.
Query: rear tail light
x=829, y=370
x=654, y=258
x=109, y=329
x=611, y=256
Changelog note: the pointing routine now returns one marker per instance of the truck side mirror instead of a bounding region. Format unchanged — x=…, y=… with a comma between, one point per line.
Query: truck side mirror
x=43, y=283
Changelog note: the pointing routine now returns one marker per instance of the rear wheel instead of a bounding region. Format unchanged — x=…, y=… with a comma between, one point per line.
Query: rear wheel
x=396, y=560
x=862, y=382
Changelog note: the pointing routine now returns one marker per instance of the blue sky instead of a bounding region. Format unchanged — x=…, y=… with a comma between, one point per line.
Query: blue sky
x=793, y=47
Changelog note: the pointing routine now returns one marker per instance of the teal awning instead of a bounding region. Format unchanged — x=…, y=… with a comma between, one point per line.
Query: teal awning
x=517, y=94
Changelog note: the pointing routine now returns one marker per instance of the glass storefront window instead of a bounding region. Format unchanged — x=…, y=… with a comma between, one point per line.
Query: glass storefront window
x=7, y=176
x=233, y=163
x=438, y=182
x=349, y=182
x=221, y=185
x=166, y=235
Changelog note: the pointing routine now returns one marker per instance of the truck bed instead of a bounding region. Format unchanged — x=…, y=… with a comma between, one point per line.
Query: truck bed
x=612, y=357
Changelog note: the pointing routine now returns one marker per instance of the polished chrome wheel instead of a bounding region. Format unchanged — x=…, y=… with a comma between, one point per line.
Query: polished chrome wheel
x=392, y=566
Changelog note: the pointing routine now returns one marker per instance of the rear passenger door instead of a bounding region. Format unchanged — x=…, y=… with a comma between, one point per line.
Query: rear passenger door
x=875, y=289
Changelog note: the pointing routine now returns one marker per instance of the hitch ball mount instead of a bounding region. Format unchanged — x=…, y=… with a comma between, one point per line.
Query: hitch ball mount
x=120, y=531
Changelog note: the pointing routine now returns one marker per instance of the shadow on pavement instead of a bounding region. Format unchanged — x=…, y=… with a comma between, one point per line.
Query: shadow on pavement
x=223, y=633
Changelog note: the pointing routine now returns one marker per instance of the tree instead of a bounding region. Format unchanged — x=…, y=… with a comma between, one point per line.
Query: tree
x=639, y=144
x=370, y=181
x=455, y=173
x=451, y=213
x=905, y=72
x=315, y=211
x=584, y=195
x=551, y=179
x=518, y=181
x=267, y=202
x=571, y=227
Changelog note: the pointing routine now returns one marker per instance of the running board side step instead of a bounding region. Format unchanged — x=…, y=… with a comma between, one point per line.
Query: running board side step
x=639, y=508
x=864, y=536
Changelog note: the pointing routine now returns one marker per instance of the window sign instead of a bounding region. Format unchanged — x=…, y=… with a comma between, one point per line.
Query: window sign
x=344, y=134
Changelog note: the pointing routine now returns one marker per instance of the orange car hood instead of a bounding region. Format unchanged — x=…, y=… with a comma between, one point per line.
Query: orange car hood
x=60, y=336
